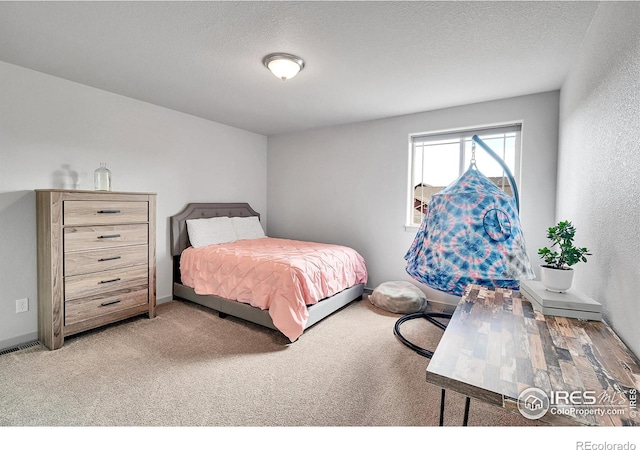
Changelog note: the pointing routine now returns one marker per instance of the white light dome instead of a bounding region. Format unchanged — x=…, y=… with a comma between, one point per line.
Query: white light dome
x=283, y=65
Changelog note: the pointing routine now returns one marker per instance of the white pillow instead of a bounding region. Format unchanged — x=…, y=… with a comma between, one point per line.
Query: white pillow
x=215, y=230
x=247, y=227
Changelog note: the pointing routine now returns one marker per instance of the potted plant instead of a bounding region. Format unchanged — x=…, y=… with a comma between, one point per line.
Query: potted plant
x=556, y=274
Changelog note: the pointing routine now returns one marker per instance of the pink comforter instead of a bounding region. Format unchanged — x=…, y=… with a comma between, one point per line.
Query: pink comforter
x=280, y=275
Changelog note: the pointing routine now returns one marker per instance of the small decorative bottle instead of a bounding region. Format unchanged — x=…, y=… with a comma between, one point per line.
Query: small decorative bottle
x=102, y=178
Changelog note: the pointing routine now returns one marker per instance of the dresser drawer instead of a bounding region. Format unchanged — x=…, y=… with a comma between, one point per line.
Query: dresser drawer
x=106, y=236
x=79, y=212
x=84, y=309
x=100, y=283
x=78, y=263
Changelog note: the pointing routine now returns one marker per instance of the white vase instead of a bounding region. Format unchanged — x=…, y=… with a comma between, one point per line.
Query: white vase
x=556, y=280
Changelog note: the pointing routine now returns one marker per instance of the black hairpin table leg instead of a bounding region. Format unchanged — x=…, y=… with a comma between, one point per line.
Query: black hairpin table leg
x=467, y=403
x=442, y=408
x=465, y=420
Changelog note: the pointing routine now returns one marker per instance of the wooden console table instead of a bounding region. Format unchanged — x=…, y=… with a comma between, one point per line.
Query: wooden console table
x=496, y=346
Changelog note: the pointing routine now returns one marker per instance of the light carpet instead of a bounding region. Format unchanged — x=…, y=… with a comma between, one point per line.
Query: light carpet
x=189, y=367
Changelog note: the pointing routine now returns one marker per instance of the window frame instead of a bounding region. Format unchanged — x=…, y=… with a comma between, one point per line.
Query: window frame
x=461, y=134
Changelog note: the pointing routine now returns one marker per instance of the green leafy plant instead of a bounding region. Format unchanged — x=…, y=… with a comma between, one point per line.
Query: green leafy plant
x=567, y=255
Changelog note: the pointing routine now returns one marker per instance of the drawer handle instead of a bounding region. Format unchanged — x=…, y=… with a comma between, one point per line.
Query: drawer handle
x=109, y=281
x=109, y=236
x=109, y=211
x=109, y=259
x=110, y=303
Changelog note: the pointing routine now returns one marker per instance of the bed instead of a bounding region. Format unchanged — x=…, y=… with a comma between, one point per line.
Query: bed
x=192, y=276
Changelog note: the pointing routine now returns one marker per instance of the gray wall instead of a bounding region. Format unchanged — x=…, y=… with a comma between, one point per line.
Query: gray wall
x=348, y=184
x=599, y=164
x=47, y=122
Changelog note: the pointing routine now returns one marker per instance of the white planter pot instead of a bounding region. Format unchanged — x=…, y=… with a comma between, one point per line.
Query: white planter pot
x=556, y=280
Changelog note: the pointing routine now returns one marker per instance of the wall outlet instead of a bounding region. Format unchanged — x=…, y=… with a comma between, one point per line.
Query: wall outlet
x=22, y=305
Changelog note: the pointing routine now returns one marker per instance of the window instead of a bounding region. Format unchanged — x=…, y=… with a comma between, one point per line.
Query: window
x=438, y=159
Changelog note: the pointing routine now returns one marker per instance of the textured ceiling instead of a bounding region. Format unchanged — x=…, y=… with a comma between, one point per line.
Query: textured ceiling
x=364, y=60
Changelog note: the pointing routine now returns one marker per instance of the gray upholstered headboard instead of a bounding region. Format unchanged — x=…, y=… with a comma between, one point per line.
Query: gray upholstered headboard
x=179, y=235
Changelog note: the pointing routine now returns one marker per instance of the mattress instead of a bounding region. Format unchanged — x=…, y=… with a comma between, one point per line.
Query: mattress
x=282, y=276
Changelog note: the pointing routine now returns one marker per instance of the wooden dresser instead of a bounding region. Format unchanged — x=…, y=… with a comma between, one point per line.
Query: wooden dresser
x=96, y=260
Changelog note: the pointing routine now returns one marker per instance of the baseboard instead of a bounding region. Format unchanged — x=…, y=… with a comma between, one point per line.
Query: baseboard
x=18, y=341
x=441, y=307
x=162, y=300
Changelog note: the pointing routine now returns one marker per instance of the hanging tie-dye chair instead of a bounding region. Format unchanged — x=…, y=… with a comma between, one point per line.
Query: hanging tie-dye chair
x=470, y=234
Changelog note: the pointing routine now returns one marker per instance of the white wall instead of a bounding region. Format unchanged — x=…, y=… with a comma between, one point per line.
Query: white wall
x=348, y=184
x=599, y=164
x=46, y=122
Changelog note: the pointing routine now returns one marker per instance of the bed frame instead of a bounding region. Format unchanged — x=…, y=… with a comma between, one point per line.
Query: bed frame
x=180, y=241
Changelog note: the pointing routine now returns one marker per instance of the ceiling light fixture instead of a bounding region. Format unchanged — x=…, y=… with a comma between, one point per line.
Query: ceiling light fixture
x=283, y=65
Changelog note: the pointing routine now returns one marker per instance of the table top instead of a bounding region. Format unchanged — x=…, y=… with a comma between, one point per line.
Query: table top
x=496, y=346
